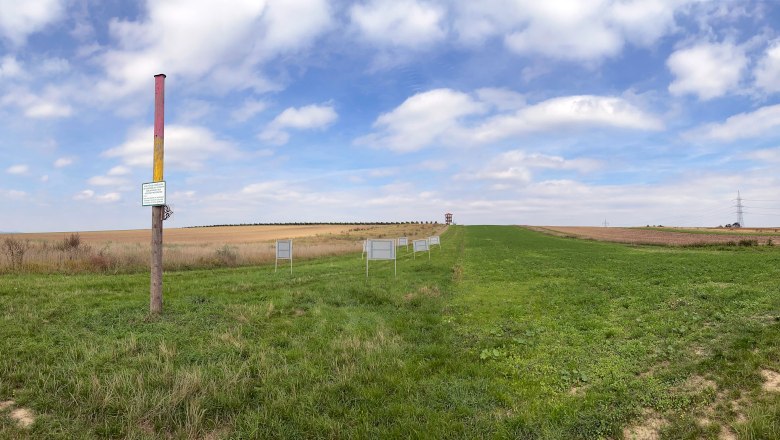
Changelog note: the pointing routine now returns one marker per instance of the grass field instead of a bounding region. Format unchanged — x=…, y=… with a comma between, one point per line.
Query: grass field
x=504, y=333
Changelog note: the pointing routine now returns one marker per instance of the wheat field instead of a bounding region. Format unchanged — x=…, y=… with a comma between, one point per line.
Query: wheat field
x=188, y=248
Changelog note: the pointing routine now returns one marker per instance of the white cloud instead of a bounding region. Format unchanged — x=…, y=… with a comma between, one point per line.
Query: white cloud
x=423, y=119
x=45, y=178
x=448, y=117
x=108, y=197
x=302, y=118
x=118, y=170
x=84, y=195
x=18, y=169
x=402, y=23
x=248, y=110
x=63, y=162
x=517, y=166
x=501, y=99
x=708, y=70
x=19, y=19
x=564, y=113
x=13, y=194
x=47, y=105
x=765, y=155
x=767, y=71
x=10, y=67
x=222, y=46
x=186, y=147
x=566, y=29
x=107, y=181
x=89, y=194
x=741, y=126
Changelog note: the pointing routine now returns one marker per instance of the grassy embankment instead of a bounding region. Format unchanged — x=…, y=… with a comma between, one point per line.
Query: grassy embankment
x=504, y=332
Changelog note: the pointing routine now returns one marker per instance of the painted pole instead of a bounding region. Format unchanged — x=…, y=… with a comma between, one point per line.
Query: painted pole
x=155, y=293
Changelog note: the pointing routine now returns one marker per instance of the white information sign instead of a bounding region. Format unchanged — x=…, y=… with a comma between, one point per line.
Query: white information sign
x=404, y=241
x=153, y=193
x=434, y=240
x=381, y=249
x=284, y=251
x=421, y=246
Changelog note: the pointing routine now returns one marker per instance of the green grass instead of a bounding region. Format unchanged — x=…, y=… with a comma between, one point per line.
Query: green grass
x=504, y=333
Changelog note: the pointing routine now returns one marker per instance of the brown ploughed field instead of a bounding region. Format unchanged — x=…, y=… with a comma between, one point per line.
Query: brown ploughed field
x=668, y=236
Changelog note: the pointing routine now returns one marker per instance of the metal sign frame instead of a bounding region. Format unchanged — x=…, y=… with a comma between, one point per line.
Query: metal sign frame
x=381, y=249
x=421, y=246
x=153, y=199
x=434, y=239
x=284, y=252
x=404, y=241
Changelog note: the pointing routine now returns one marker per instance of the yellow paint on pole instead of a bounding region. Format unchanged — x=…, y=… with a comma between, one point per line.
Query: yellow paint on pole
x=157, y=174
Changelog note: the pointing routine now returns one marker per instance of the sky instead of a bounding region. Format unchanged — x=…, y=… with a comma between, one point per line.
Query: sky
x=565, y=112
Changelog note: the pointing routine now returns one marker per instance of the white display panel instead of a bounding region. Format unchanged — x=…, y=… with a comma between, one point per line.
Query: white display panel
x=420, y=245
x=403, y=241
x=284, y=251
x=434, y=240
x=380, y=249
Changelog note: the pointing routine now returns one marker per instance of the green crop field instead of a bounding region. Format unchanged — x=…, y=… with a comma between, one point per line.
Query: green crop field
x=504, y=333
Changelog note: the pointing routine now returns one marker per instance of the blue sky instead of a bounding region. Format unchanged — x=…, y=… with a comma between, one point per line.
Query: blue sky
x=566, y=112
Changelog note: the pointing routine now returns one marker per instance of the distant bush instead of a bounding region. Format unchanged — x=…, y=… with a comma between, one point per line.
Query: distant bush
x=748, y=242
x=227, y=256
x=15, y=249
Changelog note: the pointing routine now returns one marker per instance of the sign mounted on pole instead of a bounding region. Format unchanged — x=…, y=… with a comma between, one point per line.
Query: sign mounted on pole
x=421, y=246
x=434, y=240
x=363, y=255
x=153, y=194
x=381, y=250
x=284, y=251
x=404, y=241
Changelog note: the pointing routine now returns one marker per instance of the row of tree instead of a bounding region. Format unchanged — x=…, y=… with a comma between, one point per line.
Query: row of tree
x=320, y=223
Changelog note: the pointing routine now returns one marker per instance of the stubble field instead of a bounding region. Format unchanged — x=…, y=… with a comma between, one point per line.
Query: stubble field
x=666, y=236
x=190, y=248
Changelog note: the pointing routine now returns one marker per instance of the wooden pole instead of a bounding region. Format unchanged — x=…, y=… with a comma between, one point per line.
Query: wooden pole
x=155, y=293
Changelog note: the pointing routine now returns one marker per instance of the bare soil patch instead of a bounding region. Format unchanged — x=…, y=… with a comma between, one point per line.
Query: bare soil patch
x=6, y=404
x=24, y=417
x=649, y=429
x=671, y=237
x=771, y=381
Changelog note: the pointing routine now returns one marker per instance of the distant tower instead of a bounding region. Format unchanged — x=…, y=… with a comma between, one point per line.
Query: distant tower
x=448, y=218
x=740, y=220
